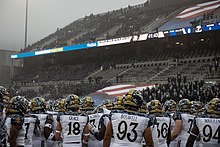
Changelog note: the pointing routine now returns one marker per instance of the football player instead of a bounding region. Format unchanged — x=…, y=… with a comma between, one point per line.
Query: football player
x=59, y=107
x=207, y=126
x=20, y=126
x=103, y=111
x=196, y=106
x=183, y=122
x=87, y=106
x=128, y=127
x=3, y=131
x=162, y=126
x=44, y=129
x=170, y=108
x=72, y=125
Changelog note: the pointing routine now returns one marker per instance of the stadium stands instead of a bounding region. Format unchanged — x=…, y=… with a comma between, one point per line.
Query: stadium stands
x=150, y=61
x=117, y=23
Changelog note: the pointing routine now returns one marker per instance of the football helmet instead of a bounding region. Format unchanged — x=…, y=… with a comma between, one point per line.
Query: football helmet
x=170, y=105
x=196, y=106
x=6, y=101
x=50, y=105
x=38, y=104
x=3, y=92
x=143, y=108
x=133, y=99
x=18, y=104
x=184, y=105
x=213, y=107
x=87, y=104
x=61, y=105
x=155, y=106
x=118, y=103
x=72, y=103
x=107, y=104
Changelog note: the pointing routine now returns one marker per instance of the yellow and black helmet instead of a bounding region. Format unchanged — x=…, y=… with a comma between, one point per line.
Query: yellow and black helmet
x=3, y=92
x=196, y=106
x=107, y=104
x=118, y=103
x=184, y=105
x=213, y=107
x=133, y=99
x=18, y=104
x=38, y=104
x=61, y=105
x=6, y=101
x=72, y=103
x=155, y=106
x=87, y=104
x=170, y=105
x=50, y=105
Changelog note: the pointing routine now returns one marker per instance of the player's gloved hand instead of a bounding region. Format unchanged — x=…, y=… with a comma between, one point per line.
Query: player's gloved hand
x=92, y=128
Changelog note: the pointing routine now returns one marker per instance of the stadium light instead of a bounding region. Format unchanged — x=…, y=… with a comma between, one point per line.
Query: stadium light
x=26, y=19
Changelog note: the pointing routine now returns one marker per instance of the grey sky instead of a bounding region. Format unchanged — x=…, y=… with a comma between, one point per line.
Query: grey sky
x=45, y=16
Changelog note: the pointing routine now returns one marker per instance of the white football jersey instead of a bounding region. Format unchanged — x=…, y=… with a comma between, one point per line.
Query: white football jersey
x=26, y=132
x=188, y=120
x=72, y=129
x=38, y=138
x=172, y=125
x=209, y=130
x=106, y=119
x=128, y=129
x=163, y=124
x=94, y=120
x=51, y=143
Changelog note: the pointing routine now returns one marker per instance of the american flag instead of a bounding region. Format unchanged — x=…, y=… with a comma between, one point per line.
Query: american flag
x=119, y=90
x=199, y=9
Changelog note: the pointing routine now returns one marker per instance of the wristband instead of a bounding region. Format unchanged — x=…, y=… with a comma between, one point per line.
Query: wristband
x=58, y=131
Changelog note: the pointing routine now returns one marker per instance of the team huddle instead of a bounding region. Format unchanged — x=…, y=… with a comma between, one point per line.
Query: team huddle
x=125, y=121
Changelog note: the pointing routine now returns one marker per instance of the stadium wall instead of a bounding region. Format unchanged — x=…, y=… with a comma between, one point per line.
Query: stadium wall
x=8, y=67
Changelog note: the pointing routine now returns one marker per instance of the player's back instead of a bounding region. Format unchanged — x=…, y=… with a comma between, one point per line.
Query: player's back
x=187, y=120
x=25, y=133
x=38, y=138
x=94, y=119
x=128, y=128
x=209, y=130
x=72, y=129
x=162, y=126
